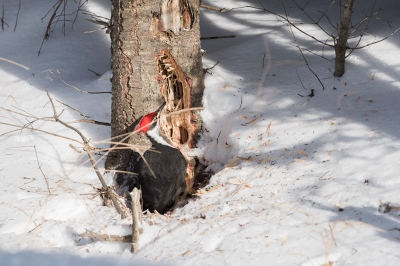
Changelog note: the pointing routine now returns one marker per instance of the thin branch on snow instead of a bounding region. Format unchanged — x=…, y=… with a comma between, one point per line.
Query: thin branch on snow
x=106, y=237
x=69, y=85
x=15, y=63
x=40, y=168
x=222, y=10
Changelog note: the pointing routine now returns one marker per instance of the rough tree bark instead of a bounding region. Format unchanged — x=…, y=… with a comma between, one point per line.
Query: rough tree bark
x=341, y=43
x=156, y=58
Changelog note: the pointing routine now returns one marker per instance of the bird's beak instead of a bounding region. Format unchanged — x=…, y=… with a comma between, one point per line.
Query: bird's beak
x=161, y=108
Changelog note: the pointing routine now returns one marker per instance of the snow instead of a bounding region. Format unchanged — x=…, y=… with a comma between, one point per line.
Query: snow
x=297, y=180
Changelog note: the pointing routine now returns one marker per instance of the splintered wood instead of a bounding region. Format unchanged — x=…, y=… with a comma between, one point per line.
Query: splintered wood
x=176, y=90
x=173, y=17
x=176, y=123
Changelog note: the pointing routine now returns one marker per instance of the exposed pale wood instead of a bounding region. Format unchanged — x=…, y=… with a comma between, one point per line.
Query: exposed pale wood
x=137, y=226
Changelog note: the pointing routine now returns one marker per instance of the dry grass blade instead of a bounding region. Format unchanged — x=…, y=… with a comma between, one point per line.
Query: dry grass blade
x=40, y=168
x=269, y=129
x=14, y=63
x=303, y=153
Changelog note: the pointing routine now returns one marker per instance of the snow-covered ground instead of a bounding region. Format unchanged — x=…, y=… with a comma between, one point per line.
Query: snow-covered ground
x=298, y=180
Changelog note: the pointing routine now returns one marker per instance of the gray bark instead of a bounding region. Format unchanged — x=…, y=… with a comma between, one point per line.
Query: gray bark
x=142, y=33
x=341, y=44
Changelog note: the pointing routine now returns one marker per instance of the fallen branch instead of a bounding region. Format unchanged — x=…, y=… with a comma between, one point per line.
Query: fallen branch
x=105, y=237
x=15, y=63
x=87, y=148
x=137, y=227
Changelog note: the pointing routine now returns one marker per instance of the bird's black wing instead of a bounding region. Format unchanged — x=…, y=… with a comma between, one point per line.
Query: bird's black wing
x=169, y=167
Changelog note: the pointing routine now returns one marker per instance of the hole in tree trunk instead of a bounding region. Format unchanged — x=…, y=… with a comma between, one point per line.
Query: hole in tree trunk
x=184, y=135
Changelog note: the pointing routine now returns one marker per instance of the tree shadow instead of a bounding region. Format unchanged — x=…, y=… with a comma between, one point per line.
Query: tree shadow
x=243, y=98
x=268, y=95
x=69, y=51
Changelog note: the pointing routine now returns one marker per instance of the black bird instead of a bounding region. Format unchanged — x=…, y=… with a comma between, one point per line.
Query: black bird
x=165, y=183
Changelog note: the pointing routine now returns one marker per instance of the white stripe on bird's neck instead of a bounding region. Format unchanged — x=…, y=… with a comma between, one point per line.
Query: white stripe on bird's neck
x=153, y=133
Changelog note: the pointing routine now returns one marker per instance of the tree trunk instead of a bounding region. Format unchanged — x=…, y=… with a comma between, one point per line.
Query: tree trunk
x=341, y=44
x=156, y=58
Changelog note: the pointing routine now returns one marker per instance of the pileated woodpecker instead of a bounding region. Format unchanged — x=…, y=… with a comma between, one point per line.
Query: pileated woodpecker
x=162, y=170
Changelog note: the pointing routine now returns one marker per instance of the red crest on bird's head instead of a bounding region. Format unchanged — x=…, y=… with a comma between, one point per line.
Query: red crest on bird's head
x=146, y=121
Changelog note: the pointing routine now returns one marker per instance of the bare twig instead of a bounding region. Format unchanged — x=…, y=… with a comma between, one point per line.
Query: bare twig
x=39, y=130
x=88, y=92
x=222, y=10
x=292, y=24
x=74, y=148
x=106, y=237
x=217, y=37
x=2, y=20
x=15, y=63
x=298, y=46
x=323, y=57
x=18, y=113
x=47, y=33
x=313, y=21
x=16, y=20
x=97, y=74
x=86, y=120
x=77, y=12
x=40, y=168
x=87, y=148
x=207, y=69
x=240, y=106
x=184, y=110
x=91, y=121
x=369, y=44
x=300, y=81
x=73, y=109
